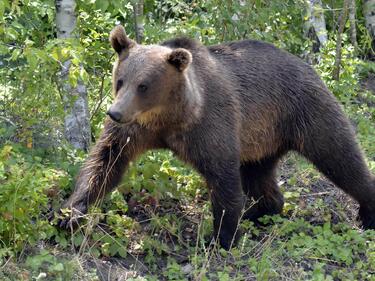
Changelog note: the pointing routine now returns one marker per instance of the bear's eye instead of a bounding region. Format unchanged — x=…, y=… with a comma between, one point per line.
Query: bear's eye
x=119, y=84
x=142, y=88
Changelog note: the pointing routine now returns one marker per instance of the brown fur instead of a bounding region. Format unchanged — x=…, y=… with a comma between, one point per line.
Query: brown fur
x=231, y=111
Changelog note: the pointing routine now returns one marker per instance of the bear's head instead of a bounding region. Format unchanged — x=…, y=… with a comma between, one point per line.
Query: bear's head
x=146, y=79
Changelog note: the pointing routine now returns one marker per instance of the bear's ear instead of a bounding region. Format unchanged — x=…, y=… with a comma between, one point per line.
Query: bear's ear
x=180, y=58
x=119, y=40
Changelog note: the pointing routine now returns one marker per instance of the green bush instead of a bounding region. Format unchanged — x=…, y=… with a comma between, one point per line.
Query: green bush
x=26, y=185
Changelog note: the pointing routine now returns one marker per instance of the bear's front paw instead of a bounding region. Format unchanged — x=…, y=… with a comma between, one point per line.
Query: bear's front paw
x=269, y=207
x=367, y=217
x=69, y=217
x=229, y=240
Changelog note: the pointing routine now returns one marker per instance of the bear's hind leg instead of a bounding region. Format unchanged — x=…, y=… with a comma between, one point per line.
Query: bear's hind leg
x=259, y=184
x=332, y=148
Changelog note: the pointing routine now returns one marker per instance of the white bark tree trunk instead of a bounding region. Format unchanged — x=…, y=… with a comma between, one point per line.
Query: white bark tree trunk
x=138, y=20
x=315, y=24
x=352, y=20
x=369, y=13
x=77, y=119
x=342, y=20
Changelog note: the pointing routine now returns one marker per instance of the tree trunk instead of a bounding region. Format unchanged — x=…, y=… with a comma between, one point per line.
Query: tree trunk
x=352, y=20
x=315, y=24
x=369, y=13
x=342, y=20
x=138, y=20
x=77, y=119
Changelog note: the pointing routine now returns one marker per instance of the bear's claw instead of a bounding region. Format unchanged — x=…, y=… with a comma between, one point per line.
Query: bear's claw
x=67, y=220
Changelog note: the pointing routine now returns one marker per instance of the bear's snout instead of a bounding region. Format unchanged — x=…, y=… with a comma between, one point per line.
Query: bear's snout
x=115, y=115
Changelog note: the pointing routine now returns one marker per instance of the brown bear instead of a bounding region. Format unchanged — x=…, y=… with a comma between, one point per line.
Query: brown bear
x=231, y=111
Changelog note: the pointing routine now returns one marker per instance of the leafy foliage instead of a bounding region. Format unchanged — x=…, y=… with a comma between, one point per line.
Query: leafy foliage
x=26, y=184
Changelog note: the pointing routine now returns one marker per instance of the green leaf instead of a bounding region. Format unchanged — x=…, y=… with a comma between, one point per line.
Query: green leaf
x=113, y=248
x=59, y=267
x=122, y=252
x=12, y=33
x=77, y=240
x=15, y=54
x=102, y=5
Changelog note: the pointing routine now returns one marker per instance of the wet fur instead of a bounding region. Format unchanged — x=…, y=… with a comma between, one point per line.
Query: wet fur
x=237, y=109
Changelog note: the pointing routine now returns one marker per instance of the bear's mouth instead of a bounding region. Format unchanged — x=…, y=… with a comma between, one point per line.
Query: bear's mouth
x=131, y=121
x=123, y=122
x=141, y=117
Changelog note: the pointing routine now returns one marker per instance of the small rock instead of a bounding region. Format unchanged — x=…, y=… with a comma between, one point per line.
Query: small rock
x=235, y=17
x=187, y=268
x=41, y=275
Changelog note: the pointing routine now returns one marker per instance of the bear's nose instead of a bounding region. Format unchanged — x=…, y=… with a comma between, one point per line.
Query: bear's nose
x=115, y=115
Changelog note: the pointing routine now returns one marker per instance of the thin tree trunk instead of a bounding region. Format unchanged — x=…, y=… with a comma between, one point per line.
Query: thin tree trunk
x=315, y=24
x=342, y=20
x=138, y=20
x=369, y=13
x=77, y=119
x=352, y=20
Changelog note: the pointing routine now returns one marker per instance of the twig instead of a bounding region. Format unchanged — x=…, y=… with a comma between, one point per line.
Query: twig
x=316, y=194
x=8, y=120
x=342, y=20
x=101, y=96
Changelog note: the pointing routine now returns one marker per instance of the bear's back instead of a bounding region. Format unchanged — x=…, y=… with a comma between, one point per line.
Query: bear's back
x=255, y=67
x=272, y=89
